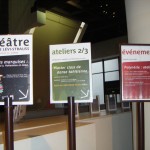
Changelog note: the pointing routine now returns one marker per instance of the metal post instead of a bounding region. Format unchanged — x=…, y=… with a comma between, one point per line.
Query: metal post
x=9, y=136
x=71, y=124
x=141, y=135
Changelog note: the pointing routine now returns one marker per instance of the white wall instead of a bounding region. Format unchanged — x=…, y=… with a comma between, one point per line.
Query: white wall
x=138, y=26
x=85, y=140
x=109, y=132
x=114, y=132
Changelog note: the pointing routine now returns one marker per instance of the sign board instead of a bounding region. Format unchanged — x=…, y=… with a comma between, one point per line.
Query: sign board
x=135, y=70
x=16, y=69
x=70, y=72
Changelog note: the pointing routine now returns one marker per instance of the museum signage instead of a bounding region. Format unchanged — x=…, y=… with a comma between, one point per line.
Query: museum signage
x=16, y=69
x=135, y=72
x=70, y=72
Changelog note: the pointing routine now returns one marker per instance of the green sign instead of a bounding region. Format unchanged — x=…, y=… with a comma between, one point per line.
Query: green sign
x=70, y=76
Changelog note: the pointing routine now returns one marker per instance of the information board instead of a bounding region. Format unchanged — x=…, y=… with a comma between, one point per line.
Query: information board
x=70, y=72
x=16, y=69
x=135, y=70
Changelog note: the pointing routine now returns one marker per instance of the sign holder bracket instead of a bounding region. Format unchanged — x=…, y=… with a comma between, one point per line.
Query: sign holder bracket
x=71, y=124
x=9, y=133
x=141, y=135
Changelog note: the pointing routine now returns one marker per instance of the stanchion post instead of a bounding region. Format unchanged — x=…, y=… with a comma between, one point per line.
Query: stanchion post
x=141, y=130
x=9, y=134
x=71, y=124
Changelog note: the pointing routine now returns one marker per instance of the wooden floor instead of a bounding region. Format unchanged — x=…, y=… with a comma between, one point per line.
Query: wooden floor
x=39, y=126
x=27, y=128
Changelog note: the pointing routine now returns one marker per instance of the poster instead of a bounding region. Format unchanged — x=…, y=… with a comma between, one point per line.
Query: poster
x=135, y=64
x=16, y=69
x=70, y=72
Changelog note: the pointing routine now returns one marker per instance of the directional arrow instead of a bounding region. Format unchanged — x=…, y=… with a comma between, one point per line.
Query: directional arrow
x=24, y=95
x=85, y=94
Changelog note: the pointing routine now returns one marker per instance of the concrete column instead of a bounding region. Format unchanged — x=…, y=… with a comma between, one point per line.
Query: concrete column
x=138, y=26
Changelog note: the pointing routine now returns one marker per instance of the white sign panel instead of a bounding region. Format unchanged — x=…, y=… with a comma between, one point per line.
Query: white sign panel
x=135, y=64
x=70, y=72
x=16, y=69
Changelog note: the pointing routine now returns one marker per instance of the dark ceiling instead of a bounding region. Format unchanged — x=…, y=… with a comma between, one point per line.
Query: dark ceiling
x=106, y=19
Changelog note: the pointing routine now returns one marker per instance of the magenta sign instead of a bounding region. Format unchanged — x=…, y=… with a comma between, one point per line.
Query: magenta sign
x=135, y=71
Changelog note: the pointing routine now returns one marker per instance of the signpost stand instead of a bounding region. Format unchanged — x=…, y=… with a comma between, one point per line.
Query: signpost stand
x=135, y=65
x=16, y=78
x=9, y=136
x=140, y=112
x=70, y=74
x=71, y=124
